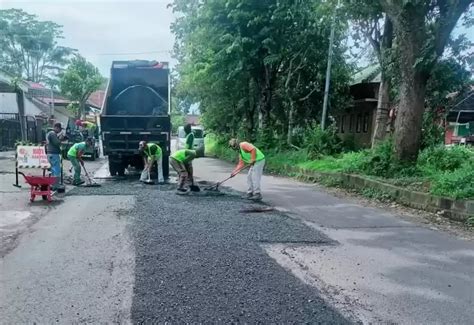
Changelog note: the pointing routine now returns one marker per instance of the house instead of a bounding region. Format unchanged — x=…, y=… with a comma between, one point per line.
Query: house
x=192, y=119
x=42, y=107
x=460, y=119
x=356, y=123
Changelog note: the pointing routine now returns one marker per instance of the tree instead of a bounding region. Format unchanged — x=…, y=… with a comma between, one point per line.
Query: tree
x=30, y=47
x=377, y=28
x=256, y=67
x=79, y=81
x=422, y=30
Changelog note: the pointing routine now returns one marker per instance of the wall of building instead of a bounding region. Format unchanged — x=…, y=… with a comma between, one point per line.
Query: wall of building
x=8, y=104
x=357, y=124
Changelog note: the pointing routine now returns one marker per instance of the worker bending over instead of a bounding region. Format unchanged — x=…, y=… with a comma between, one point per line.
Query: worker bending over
x=151, y=152
x=74, y=155
x=181, y=163
x=250, y=155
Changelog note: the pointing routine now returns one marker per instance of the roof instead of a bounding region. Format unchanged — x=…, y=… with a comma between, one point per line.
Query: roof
x=371, y=73
x=192, y=119
x=96, y=98
x=464, y=103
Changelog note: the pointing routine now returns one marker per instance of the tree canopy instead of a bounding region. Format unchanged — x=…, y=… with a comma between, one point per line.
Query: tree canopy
x=257, y=67
x=30, y=48
x=79, y=81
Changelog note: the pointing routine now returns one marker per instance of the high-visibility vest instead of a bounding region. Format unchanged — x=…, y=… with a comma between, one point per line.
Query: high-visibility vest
x=148, y=150
x=186, y=143
x=247, y=156
x=180, y=155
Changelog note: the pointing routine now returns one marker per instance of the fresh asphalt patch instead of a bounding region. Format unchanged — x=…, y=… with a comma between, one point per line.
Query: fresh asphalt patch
x=199, y=259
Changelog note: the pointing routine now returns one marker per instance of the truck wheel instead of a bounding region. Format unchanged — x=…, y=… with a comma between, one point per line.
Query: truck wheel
x=112, y=168
x=121, y=170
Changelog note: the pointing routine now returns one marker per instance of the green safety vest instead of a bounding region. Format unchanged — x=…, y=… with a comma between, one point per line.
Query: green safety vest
x=73, y=150
x=186, y=143
x=148, y=150
x=180, y=155
x=247, y=156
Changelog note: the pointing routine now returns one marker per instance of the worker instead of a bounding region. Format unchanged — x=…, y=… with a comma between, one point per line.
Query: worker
x=75, y=154
x=181, y=163
x=250, y=155
x=53, y=150
x=151, y=152
x=86, y=126
x=189, y=144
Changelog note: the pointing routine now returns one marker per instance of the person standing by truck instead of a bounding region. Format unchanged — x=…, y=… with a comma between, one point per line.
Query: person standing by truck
x=251, y=155
x=74, y=155
x=189, y=144
x=53, y=150
x=151, y=152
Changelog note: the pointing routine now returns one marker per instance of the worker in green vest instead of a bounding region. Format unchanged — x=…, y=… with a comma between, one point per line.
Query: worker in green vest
x=189, y=144
x=74, y=155
x=181, y=163
x=249, y=155
x=151, y=152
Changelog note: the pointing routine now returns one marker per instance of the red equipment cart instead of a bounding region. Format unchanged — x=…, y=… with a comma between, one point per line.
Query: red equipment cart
x=40, y=185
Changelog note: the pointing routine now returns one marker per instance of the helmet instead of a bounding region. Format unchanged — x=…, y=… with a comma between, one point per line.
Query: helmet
x=78, y=123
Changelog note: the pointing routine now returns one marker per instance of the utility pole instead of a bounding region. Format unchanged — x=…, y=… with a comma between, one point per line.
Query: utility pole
x=328, y=69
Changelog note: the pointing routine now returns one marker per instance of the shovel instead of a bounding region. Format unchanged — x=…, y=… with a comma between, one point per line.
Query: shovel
x=90, y=182
x=215, y=187
x=149, y=181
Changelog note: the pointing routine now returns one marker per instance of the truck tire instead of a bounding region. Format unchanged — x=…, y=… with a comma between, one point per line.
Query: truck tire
x=121, y=170
x=113, y=168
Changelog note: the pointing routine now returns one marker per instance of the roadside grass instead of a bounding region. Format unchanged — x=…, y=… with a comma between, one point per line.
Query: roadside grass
x=441, y=171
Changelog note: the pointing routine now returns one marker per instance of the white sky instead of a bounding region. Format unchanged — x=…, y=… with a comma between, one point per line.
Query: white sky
x=103, y=30
x=103, y=27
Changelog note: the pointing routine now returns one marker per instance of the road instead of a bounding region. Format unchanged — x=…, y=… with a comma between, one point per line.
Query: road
x=131, y=253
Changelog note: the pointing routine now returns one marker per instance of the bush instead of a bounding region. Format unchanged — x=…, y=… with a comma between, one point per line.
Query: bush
x=321, y=142
x=457, y=184
x=441, y=159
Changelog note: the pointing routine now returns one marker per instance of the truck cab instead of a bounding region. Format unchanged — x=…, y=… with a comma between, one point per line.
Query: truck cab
x=136, y=108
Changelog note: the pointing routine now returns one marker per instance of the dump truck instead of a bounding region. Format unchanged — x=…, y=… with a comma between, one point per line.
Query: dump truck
x=136, y=107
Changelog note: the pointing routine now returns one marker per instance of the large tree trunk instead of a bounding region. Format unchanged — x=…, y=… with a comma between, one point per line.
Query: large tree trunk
x=409, y=117
x=291, y=123
x=381, y=115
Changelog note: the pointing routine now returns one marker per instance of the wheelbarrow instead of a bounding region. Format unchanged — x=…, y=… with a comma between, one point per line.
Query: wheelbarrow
x=40, y=185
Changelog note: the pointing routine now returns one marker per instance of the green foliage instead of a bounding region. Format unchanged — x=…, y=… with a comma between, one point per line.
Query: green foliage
x=177, y=120
x=321, y=142
x=80, y=79
x=30, y=47
x=433, y=160
x=457, y=184
x=248, y=63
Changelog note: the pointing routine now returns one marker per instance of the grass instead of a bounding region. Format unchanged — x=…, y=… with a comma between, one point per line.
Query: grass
x=441, y=171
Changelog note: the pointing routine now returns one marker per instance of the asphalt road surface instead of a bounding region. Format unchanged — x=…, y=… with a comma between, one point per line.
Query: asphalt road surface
x=128, y=252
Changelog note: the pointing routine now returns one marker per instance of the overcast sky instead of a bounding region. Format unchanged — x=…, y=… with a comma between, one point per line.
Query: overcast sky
x=107, y=30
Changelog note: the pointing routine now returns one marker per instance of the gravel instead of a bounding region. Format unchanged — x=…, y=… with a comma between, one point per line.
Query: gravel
x=199, y=260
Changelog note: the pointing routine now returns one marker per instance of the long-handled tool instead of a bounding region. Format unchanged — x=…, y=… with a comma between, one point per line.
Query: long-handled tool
x=215, y=187
x=90, y=182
